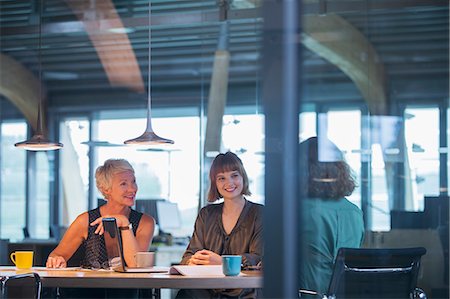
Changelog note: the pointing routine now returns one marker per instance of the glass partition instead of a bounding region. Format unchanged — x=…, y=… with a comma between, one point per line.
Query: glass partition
x=368, y=84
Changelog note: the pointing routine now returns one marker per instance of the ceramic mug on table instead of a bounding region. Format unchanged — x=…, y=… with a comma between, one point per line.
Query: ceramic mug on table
x=22, y=259
x=145, y=259
x=231, y=264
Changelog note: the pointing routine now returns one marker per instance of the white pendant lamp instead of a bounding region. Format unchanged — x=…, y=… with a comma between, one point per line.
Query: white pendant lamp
x=149, y=137
x=39, y=142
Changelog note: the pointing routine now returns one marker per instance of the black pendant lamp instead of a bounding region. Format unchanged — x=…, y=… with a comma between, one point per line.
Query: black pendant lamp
x=39, y=142
x=149, y=137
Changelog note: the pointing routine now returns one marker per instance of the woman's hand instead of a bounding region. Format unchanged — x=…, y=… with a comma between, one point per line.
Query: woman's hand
x=121, y=220
x=56, y=262
x=205, y=257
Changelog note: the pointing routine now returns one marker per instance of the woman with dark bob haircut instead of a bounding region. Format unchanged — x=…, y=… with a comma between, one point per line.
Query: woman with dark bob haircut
x=329, y=220
x=233, y=226
x=223, y=163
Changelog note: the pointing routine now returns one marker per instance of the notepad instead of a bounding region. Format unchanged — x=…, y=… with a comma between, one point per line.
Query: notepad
x=202, y=270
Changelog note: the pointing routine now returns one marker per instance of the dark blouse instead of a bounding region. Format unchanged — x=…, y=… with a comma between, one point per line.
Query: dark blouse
x=95, y=255
x=245, y=239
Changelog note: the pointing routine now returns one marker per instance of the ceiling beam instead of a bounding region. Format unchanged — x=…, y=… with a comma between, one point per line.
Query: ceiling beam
x=21, y=88
x=340, y=43
x=119, y=63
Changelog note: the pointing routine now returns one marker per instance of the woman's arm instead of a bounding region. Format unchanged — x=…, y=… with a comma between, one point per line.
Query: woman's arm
x=144, y=234
x=256, y=246
x=72, y=239
x=140, y=242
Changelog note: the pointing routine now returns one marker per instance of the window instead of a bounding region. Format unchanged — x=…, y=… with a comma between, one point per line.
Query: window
x=162, y=172
x=39, y=220
x=422, y=167
x=13, y=181
x=338, y=123
x=243, y=134
x=74, y=170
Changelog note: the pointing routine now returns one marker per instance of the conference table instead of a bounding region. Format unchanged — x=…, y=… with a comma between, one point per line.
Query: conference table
x=82, y=278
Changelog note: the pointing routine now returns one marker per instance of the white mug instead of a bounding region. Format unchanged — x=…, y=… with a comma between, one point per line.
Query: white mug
x=145, y=259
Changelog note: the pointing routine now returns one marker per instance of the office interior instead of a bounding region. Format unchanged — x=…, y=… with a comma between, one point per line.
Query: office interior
x=249, y=76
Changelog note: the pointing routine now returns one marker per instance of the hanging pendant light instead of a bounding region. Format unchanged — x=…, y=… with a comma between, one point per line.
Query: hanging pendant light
x=39, y=142
x=149, y=137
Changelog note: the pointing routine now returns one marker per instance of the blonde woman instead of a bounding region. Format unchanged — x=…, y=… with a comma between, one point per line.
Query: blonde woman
x=116, y=181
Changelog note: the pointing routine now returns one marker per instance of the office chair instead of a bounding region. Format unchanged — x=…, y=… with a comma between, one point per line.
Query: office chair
x=374, y=273
x=27, y=285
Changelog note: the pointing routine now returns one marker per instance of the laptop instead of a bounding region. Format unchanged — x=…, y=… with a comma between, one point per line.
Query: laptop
x=114, y=249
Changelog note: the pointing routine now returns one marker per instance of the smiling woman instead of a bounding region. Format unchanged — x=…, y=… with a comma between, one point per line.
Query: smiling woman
x=233, y=227
x=116, y=181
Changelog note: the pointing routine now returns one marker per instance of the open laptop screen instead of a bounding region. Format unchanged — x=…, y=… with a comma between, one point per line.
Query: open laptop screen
x=116, y=260
x=113, y=243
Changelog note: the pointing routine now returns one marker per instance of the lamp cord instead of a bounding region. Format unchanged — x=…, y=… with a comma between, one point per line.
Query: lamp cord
x=39, y=128
x=149, y=96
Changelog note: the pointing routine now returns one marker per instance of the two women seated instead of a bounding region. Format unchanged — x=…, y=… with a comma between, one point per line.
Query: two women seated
x=231, y=227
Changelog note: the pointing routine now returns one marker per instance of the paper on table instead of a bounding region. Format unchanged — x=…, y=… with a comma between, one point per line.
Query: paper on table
x=74, y=269
x=58, y=269
x=201, y=270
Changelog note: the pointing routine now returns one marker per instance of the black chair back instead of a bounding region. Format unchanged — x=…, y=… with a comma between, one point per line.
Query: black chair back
x=21, y=286
x=375, y=273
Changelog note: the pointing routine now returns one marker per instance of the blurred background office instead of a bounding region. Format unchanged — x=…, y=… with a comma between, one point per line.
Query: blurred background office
x=373, y=77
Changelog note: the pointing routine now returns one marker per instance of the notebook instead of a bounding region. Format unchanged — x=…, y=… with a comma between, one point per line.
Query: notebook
x=114, y=249
x=204, y=270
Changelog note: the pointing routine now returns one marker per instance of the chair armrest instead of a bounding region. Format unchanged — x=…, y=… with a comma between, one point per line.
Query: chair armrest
x=310, y=293
x=418, y=293
x=36, y=283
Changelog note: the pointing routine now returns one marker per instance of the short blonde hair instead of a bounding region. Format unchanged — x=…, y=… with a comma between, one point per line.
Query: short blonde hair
x=223, y=163
x=105, y=172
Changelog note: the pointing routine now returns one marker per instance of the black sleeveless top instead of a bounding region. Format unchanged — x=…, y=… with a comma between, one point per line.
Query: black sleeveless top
x=95, y=255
